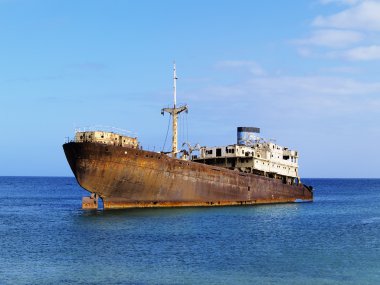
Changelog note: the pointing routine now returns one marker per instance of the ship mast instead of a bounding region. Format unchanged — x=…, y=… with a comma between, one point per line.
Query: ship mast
x=174, y=112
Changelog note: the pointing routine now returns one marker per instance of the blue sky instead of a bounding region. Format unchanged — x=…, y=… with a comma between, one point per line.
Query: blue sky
x=305, y=72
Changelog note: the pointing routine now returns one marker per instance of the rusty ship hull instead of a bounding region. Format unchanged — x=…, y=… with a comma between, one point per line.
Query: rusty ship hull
x=131, y=178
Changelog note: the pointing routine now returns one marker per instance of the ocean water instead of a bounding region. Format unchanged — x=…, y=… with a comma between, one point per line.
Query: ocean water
x=45, y=238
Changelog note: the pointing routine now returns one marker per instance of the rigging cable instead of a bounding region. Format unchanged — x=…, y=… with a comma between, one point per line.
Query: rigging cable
x=187, y=128
x=167, y=132
x=183, y=127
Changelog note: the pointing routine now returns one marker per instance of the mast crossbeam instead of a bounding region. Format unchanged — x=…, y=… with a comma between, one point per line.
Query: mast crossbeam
x=174, y=112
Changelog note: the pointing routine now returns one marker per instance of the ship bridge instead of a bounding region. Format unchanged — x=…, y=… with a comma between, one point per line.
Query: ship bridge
x=252, y=154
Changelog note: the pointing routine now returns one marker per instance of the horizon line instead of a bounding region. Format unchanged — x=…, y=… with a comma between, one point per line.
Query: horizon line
x=58, y=176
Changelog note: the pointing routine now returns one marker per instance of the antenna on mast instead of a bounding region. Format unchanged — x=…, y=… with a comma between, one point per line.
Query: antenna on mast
x=174, y=84
x=174, y=112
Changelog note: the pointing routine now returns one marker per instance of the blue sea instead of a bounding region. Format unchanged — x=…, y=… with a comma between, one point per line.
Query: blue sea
x=45, y=238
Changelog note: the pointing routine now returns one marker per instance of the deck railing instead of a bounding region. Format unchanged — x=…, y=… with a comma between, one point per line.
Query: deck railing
x=109, y=129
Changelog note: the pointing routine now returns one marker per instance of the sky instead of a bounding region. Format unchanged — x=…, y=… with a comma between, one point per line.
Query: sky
x=305, y=72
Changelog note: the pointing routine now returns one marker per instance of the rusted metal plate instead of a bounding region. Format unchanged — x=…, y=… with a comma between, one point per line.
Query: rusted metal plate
x=127, y=177
x=123, y=205
x=89, y=203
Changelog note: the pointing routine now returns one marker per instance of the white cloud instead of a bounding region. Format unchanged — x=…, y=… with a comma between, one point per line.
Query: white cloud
x=364, y=16
x=251, y=66
x=313, y=86
x=341, y=69
x=342, y=2
x=362, y=53
x=315, y=95
x=305, y=52
x=351, y=34
x=331, y=38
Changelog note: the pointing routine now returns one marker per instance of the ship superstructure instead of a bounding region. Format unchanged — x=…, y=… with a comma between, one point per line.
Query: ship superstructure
x=107, y=138
x=252, y=154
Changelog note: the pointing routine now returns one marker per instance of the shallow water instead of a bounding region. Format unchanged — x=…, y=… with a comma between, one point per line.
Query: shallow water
x=47, y=239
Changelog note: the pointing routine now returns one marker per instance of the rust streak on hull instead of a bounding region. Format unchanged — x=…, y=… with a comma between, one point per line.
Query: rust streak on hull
x=121, y=205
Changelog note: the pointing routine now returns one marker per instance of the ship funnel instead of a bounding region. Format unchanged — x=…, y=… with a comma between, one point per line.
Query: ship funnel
x=247, y=135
